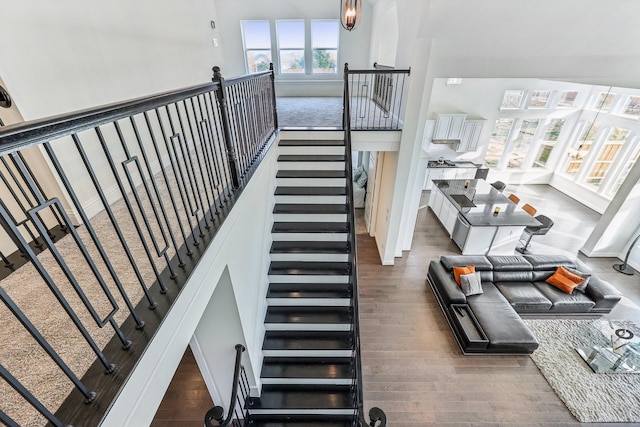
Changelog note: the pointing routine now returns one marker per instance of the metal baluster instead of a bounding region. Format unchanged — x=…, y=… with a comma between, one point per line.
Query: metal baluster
x=160, y=252
x=112, y=218
x=199, y=159
x=6, y=262
x=11, y=229
x=186, y=154
x=218, y=147
x=166, y=180
x=92, y=233
x=156, y=190
x=207, y=146
x=33, y=401
x=13, y=307
x=112, y=166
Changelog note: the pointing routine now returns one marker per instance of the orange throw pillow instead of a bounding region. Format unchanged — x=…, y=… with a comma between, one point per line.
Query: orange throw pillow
x=459, y=271
x=564, y=280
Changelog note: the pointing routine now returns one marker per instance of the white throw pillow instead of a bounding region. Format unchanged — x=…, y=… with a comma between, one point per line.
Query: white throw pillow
x=471, y=284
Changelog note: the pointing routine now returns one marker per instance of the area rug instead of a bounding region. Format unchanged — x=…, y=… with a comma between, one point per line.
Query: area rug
x=590, y=397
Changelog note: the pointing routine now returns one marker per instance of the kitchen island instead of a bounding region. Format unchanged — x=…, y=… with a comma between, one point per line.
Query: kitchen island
x=479, y=218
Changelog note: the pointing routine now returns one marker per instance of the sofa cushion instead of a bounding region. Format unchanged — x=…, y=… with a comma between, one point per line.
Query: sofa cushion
x=509, y=263
x=445, y=287
x=507, y=333
x=548, y=262
x=513, y=276
x=480, y=262
x=577, y=302
x=524, y=297
x=489, y=294
x=582, y=287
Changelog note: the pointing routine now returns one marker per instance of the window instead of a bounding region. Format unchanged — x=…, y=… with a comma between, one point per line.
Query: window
x=256, y=36
x=499, y=137
x=522, y=143
x=539, y=99
x=324, y=45
x=291, y=46
x=624, y=173
x=567, y=98
x=604, y=101
x=606, y=157
x=633, y=106
x=512, y=99
x=551, y=134
x=577, y=155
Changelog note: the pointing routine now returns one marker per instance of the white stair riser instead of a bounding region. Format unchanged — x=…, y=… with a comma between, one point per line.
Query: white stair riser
x=305, y=327
x=307, y=353
x=312, y=199
x=311, y=182
x=311, y=166
x=305, y=135
x=287, y=217
x=327, y=381
x=306, y=302
x=312, y=149
x=322, y=237
x=310, y=257
x=299, y=278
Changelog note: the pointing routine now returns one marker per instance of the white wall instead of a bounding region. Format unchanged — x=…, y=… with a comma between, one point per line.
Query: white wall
x=239, y=254
x=353, y=46
x=72, y=54
x=385, y=198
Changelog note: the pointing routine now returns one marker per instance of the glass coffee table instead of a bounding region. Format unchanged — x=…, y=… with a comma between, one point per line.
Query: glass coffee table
x=608, y=347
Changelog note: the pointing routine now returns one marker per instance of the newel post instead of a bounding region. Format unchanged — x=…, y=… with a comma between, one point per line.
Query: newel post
x=226, y=127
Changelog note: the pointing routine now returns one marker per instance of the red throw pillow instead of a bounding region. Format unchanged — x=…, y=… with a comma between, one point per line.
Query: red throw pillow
x=459, y=271
x=564, y=280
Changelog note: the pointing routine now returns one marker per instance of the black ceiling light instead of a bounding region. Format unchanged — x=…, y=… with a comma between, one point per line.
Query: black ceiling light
x=350, y=13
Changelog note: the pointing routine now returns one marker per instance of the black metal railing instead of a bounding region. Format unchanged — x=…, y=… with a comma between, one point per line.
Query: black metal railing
x=376, y=97
x=237, y=404
x=377, y=417
x=113, y=206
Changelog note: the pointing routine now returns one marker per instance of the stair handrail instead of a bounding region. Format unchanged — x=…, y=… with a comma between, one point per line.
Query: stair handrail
x=377, y=417
x=217, y=412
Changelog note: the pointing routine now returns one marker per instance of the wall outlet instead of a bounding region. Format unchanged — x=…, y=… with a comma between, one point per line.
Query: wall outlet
x=216, y=43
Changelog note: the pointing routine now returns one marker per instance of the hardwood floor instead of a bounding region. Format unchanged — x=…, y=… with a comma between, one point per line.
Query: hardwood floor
x=413, y=368
x=187, y=399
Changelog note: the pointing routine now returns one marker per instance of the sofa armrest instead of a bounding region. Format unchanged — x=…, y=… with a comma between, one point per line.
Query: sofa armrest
x=445, y=285
x=605, y=295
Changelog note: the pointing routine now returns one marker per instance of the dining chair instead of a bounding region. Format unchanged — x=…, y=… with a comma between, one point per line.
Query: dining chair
x=529, y=209
x=515, y=199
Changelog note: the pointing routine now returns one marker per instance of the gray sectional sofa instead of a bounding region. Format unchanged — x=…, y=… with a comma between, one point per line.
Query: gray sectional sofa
x=513, y=286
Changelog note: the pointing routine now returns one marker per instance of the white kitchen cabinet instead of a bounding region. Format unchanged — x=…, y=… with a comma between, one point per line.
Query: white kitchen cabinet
x=450, y=173
x=470, y=135
x=466, y=173
x=448, y=215
x=449, y=126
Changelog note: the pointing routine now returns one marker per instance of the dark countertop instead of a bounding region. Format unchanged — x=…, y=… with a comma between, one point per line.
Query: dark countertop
x=485, y=198
x=452, y=164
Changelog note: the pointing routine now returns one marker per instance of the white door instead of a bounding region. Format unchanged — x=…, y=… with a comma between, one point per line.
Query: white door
x=371, y=201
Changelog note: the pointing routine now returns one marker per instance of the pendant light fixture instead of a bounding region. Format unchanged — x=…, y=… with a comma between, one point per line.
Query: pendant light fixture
x=350, y=13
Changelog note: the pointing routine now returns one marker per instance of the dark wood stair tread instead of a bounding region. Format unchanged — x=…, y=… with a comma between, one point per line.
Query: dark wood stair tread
x=311, y=158
x=310, y=143
x=309, y=247
x=307, y=340
x=310, y=268
x=310, y=191
x=311, y=174
x=310, y=208
x=303, y=314
x=307, y=367
x=301, y=420
x=310, y=227
x=303, y=396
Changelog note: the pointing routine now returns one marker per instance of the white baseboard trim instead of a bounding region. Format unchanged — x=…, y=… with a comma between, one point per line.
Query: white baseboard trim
x=204, y=369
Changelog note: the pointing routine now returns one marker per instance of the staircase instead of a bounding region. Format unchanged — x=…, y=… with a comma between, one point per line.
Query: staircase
x=307, y=373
